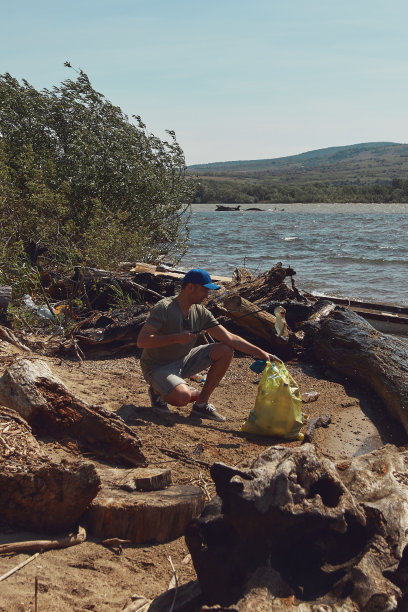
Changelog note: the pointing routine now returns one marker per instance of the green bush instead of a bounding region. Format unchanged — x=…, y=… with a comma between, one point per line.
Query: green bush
x=81, y=180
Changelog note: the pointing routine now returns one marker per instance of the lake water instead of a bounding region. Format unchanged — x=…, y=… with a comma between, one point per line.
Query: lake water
x=351, y=250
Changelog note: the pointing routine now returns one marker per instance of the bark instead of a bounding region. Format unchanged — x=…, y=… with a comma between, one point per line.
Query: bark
x=35, y=493
x=138, y=479
x=107, y=334
x=142, y=516
x=274, y=332
x=308, y=530
x=345, y=342
x=42, y=399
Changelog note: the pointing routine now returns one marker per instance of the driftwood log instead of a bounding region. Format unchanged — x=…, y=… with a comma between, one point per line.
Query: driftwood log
x=260, y=323
x=310, y=531
x=118, y=332
x=30, y=388
x=345, y=342
x=41, y=545
x=36, y=493
x=269, y=285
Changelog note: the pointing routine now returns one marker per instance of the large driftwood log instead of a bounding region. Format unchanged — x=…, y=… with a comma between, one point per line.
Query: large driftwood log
x=319, y=533
x=30, y=388
x=345, y=342
x=36, y=493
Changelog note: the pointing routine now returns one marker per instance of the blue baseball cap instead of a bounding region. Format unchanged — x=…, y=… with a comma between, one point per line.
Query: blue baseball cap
x=200, y=277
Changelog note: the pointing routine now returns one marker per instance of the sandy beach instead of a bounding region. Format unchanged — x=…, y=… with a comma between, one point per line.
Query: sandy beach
x=92, y=577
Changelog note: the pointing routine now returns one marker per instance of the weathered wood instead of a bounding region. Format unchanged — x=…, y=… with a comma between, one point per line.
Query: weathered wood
x=262, y=324
x=5, y=297
x=36, y=493
x=8, y=336
x=189, y=597
x=116, y=335
x=153, y=516
x=345, y=342
x=41, y=545
x=318, y=534
x=267, y=286
x=136, y=479
x=30, y=388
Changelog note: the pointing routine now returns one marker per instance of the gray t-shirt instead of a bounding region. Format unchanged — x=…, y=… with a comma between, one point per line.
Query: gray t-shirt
x=167, y=317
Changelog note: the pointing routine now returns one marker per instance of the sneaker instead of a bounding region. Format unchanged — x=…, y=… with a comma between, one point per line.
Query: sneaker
x=157, y=402
x=207, y=411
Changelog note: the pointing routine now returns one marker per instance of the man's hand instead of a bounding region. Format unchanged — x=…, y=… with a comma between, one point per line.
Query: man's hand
x=270, y=357
x=185, y=337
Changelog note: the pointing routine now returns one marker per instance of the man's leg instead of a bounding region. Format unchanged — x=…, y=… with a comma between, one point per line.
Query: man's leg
x=182, y=395
x=218, y=356
x=221, y=356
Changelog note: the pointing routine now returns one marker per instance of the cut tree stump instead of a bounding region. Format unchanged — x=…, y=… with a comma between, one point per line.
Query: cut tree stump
x=30, y=388
x=345, y=342
x=148, y=516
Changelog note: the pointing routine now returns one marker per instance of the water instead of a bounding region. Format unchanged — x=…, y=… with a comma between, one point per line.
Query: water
x=352, y=250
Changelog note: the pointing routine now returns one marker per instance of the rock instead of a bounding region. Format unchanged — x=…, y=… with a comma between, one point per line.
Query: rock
x=35, y=493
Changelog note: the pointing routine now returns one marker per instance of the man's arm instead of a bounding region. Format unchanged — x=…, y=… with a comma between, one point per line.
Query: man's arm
x=223, y=335
x=150, y=338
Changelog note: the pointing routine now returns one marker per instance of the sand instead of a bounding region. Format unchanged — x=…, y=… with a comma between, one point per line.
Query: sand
x=92, y=577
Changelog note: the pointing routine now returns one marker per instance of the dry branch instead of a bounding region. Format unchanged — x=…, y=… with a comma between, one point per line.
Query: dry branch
x=41, y=545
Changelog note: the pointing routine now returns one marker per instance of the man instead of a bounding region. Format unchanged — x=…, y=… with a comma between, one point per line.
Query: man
x=169, y=355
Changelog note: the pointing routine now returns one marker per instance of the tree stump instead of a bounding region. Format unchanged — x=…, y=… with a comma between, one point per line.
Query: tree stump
x=42, y=399
x=142, y=516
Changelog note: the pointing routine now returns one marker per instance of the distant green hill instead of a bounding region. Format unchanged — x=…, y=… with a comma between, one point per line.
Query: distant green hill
x=367, y=172
x=361, y=164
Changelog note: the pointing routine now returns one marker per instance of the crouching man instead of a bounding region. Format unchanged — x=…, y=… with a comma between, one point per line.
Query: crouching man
x=169, y=355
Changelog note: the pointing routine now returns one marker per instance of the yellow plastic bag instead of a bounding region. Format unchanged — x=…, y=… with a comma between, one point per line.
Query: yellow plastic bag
x=278, y=405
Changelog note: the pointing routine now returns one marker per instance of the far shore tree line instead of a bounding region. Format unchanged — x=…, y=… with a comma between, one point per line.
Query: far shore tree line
x=230, y=191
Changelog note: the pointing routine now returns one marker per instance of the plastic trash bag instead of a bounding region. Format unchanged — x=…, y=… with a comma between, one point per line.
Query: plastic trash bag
x=278, y=405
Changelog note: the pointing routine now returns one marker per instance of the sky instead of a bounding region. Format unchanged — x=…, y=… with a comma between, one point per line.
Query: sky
x=235, y=79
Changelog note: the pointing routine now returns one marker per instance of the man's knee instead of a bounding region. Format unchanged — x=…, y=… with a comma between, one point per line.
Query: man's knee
x=180, y=396
x=222, y=351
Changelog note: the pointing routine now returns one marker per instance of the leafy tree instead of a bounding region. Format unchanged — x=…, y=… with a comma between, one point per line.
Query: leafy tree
x=79, y=176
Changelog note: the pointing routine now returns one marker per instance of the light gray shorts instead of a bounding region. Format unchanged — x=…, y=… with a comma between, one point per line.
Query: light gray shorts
x=165, y=378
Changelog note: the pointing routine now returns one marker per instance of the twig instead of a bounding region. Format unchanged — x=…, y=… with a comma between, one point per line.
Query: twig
x=182, y=457
x=15, y=569
x=176, y=583
x=42, y=545
x=204, y=485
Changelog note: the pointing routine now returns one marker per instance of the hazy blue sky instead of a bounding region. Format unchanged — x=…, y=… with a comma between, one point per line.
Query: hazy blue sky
x=235, y=79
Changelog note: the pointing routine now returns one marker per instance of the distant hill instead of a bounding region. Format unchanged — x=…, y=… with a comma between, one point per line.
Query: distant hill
x=359, y=164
